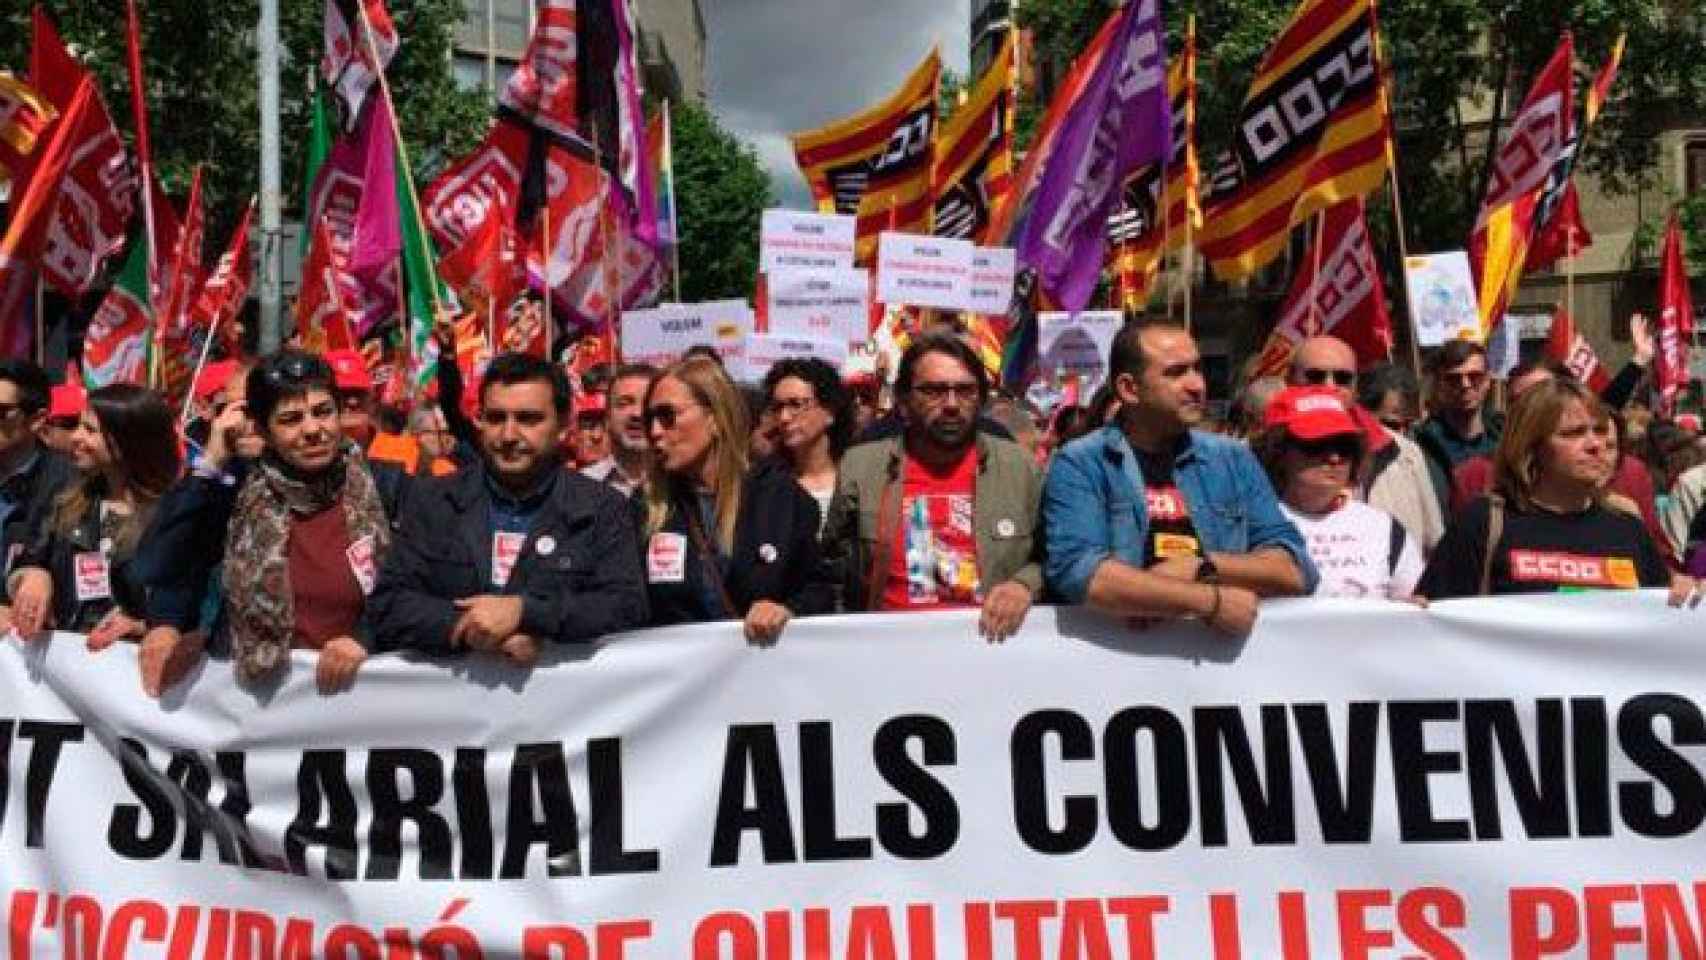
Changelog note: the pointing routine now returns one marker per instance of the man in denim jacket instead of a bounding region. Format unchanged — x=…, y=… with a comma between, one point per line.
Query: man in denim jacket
x=1149, y=519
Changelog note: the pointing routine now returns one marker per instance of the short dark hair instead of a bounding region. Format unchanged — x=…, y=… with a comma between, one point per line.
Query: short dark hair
x=945, y=343
x=512, y=369
x=629, y=371
x=1126, y=355
x=1373, y=385
x=1455, y=353
x=1549, y=364
x=827, y=389
x=282, y=376
x=31, y=381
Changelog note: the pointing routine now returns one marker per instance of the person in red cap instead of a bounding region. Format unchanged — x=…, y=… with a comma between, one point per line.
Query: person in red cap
x=1313, y=450
x=355, y=395
x=64, y=411
x=589, y=441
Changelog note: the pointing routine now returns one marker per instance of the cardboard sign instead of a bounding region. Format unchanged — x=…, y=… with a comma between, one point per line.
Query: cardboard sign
x=794, y=240
x=919, y=271
x=1443, y=305
x=1077, y=345
x=764, y=350
x=660, y=336
x=820, y=304
x=992, y=271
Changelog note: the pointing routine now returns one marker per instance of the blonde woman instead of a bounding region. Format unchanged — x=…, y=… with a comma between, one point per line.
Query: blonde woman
x=1546, y=527
x=723, y=539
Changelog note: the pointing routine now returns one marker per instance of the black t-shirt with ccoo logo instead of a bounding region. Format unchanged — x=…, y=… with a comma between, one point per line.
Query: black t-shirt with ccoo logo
x=1595, y=549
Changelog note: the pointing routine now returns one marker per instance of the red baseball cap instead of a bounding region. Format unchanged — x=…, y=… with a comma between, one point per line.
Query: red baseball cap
x=213, y=378
x=349, y=371
x=1310, y=413
x=591, y=403
x=66, y=401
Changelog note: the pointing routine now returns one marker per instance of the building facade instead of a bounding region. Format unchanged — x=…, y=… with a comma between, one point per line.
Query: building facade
x=493, y=36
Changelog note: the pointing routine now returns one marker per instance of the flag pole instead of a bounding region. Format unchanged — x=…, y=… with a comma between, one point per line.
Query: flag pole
x=41, y=321
x=1392, y=178
x=1570, y=269
x=674, y=218
x=1166, y=233
x=402, y=148
x=1315, y=274
x=545, y=265
x=200, y=364
x=1186, y=256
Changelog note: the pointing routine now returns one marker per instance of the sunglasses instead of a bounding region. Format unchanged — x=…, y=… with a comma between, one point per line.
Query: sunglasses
x=1464, y=379
x=1331, y=446
x=1339, y=378
x=663, y=414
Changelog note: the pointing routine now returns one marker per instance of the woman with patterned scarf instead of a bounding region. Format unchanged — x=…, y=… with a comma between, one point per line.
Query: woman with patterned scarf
x=308, y=533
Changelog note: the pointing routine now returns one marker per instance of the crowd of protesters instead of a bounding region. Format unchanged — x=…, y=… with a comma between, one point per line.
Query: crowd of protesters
x=293, y=513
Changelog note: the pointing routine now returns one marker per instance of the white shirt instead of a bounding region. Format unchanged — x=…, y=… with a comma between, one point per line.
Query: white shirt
x=1352, y=548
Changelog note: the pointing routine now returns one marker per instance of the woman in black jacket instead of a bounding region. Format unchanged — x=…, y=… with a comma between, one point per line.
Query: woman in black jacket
x=78, y=573
x=722, y=540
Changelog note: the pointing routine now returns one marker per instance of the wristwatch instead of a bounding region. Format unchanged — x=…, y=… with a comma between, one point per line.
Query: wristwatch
x=1207, y=572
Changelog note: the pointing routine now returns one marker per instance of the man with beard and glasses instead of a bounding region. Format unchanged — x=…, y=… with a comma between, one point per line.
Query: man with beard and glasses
x=518, y=551
x=625, y=428
x=1150, y=519
x=943, y=515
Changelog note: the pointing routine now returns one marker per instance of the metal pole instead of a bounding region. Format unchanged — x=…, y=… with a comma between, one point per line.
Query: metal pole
x=271, y=265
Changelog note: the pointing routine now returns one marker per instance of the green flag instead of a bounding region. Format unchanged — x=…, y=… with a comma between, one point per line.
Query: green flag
x=319, y=146
x=422, y=290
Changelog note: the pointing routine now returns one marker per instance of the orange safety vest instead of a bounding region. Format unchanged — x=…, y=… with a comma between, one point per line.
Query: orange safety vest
x=405, y=451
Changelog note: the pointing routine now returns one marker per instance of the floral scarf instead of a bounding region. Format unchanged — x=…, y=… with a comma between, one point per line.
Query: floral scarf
x=258, y=596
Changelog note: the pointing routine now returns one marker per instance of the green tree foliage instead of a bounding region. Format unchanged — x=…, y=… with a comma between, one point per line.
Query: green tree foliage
x=199, y=61
x=721, y=192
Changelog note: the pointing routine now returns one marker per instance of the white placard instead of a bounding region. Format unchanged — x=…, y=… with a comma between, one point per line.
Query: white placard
x=660, y=336
x=1443, y=305
x=992, y=271
x=1077, y=345
x=920, y=271
x=764, y=350
x=1504, y=350
x=795, y=240
x=828, y=304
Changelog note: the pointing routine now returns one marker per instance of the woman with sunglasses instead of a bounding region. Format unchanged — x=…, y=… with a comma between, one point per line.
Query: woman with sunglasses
x=79, y=573
x=1546, y=526
x=813, y=412
x=723, y=539
x=1312, y=449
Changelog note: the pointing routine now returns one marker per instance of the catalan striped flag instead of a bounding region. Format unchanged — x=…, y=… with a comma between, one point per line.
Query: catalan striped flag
x=1538, y=136
x=1151, y=219
x=24, y=114
x=878, y=160
x=974, y=155
x=1314, y=130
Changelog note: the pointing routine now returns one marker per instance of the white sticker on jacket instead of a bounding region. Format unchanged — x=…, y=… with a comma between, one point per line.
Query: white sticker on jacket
x=506, y=549
x=92, y=580
x=666, y=558
x=360, y=554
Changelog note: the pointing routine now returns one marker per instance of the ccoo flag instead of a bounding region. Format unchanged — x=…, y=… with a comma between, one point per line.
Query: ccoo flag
x=1314, y=130
x=1123, y=121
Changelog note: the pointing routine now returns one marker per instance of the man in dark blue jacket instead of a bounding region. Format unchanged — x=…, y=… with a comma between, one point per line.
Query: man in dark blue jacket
x=518, y=551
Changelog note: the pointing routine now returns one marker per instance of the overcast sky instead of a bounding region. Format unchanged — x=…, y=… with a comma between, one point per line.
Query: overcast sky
x=779, y=66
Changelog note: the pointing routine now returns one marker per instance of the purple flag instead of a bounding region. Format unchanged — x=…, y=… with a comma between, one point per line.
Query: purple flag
x=365, y=224
x=1122, y=121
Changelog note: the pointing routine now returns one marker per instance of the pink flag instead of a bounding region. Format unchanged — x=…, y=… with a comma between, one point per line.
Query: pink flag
x=364, y=224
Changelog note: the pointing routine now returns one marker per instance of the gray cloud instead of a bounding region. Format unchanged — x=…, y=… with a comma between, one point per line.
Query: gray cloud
x=779, y=66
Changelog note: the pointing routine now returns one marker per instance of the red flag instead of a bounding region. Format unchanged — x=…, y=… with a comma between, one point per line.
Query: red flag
x=322, y=318
x=221, y=300
x=543, y=89
x=1348, y=301
x=487, y=271
x=98, y=195
x=1676, y=321
x=346, y=63
x=21, y=243
x=1567, y=346
x=1498, y=246
x=1565, y=235
x=185, y=271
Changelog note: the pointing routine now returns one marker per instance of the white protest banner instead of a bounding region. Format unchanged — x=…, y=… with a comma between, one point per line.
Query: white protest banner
x=659, y=336
x=992, y=271
x=1442, y=298
x=764, y=350
x=826, y=304
x=1487, y=778
x=1077, y=345
x=795, y=240
x=919, y=271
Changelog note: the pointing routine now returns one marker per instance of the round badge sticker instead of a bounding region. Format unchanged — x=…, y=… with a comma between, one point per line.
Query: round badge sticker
x=767, y=553
x=1005, y=528
x=546, y=546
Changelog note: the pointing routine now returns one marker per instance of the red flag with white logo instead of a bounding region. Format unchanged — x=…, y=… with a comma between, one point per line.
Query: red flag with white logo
x=1566, y=345
x=1346, y=300
x=1676, y=321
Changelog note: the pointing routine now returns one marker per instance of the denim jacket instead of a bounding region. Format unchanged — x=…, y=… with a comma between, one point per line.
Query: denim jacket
x=1094, y=509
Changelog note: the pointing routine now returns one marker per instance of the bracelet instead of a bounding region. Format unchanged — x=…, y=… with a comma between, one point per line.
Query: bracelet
x=1213, y=611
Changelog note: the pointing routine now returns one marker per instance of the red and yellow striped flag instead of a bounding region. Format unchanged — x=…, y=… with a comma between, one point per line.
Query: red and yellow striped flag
x=1314, y=130
x=878, y=161
x=1153, y=218
x=974, y=155
x=24, y=114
